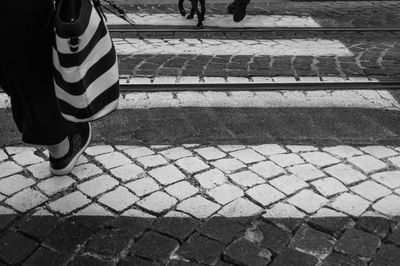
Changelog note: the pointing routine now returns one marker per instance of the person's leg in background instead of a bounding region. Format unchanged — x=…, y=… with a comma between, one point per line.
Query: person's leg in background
x=238, y=9
x=26, y=71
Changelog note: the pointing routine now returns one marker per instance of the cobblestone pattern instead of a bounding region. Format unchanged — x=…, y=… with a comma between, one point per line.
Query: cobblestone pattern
x=198, y=204
x=339, y=14
x=376, y=55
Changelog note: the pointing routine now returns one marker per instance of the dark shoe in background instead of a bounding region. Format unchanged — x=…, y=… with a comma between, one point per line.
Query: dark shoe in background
x=240, y=10
x=231, y=8
x=78, y=142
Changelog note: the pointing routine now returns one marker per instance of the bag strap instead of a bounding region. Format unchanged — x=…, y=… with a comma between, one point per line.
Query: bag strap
x=115, y=9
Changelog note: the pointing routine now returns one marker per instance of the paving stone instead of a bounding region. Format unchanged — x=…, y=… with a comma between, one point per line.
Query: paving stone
x=15, y=248
x=243, y=252
x=358, y=243
x=313, y=242
x=85, y=171
x=176, y=153
x=394, y=237
x=288, y=184
x=211, y=178
x=265, y=194
x=343, y=151
x=113, y=159
x=167, y=175
x=350, y=204
x=375, y=223
x=108, y=243
x=389, y=205
x=371, y=190
x=368, y=164
x=306, y=172
x=55, y=184
x=342, y=259
x=99, y=149
x=69, y=203
x=285, y=160
x=379, y=152
x=128, y=172
x=246, y=179
x=143, y=186
x=294, y=257
x=137, y=152
x=198, y=206
x=182, y=190
x=390, y=179
x=267, y=170
x=9, y=168
x=274, y=238
x=192, y=165
x=247, y=156
x=38, y=226
x=269, y=149
x=176, y=224
x=157, y=202
x=145, y=247
x=308, y=201
x=387, y=255
x=320, y=159
x=201, y=249
x=40, y=170
x=15, y=183
x=301, y=148
x=230, y=148
x=329, y=186
x=94, y=210
x=98, y=185
x=210, y=153
x=3, y=156
x=133, y=222
x=129, y=261
x=118, y=199
x=26, y=199
x=225, y=193
x=7, y=216
x=395, y=161
x=240, y=209
x=152, y=161
x=221, y=229
x=12, y=150
x=66, y=238
x=86, y=259
x=45, y=257
x=228, y=166
x=330, y=221
x=345, y=173
x=284, y=215
x=27, y=158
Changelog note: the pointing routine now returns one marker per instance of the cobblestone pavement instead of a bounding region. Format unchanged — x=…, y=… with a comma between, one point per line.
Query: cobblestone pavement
x=197, y=204
x=343, y=55
x=329, y=14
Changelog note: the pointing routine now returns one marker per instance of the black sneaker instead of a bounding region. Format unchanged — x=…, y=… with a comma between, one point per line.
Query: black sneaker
x=240, y=10
x=78, y=142
x=231, y=8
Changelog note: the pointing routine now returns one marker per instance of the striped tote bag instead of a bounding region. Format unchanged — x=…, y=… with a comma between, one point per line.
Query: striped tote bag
x=86, y=78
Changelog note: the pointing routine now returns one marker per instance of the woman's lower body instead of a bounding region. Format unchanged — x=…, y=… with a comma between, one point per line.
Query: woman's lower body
x=26, y=75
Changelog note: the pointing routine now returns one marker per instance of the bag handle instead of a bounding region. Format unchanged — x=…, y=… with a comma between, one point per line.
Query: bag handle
x=117, y=10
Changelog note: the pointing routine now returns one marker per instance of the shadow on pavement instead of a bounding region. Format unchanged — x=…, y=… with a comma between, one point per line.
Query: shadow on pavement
x=318, y=126
x=101, y=240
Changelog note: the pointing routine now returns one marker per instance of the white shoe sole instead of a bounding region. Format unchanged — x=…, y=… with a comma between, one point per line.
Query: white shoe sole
x=67, y=169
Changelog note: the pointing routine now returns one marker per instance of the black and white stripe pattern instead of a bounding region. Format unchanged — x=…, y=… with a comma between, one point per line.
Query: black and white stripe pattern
x=86, y=76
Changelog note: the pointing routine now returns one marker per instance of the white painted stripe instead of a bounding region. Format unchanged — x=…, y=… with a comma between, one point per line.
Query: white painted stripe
x=276, y=47
x=214, y=20
x=373, y=99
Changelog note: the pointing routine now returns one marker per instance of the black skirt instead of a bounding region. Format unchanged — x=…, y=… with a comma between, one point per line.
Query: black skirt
x=26, y=70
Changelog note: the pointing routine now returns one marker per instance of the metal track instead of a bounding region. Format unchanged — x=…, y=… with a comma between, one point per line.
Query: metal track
x=384, y=85
x=192, y=29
